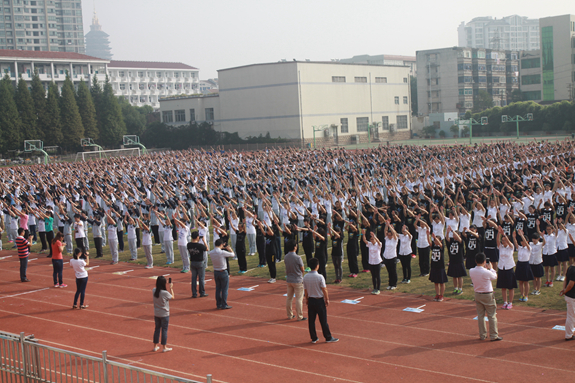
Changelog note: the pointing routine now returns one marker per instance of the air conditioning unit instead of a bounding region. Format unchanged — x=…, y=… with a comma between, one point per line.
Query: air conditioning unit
x=392, y=128
x=327, y=132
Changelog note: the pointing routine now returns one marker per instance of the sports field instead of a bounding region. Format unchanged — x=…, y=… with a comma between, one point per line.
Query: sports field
x=255, y=342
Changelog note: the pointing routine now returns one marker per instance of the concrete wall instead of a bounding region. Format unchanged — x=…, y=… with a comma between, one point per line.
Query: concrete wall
x=562, y=52
x=260, y=98
x=198, y=104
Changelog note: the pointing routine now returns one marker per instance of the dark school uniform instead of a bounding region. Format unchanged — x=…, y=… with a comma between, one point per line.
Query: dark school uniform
x=456, y=269
x=437, y=273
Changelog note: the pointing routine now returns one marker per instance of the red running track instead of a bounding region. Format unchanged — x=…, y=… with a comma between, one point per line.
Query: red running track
x=255, y=342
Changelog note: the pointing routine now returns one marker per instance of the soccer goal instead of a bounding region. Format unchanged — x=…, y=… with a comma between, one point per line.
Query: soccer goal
x=36, y=146
x=103, y=154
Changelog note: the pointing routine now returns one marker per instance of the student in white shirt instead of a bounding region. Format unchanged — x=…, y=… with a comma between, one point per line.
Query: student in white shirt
x=506, y=280
x=536, y=261
x=523, y=272
x=374, y=249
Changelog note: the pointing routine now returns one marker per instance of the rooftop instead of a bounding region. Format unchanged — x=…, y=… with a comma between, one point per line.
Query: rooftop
x=148, y=65
x=47, y=55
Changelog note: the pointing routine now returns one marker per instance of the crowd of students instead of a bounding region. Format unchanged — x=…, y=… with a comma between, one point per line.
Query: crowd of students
x=376, y=208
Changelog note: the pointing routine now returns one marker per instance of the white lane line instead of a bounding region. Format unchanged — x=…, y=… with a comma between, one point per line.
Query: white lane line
x=27, y=292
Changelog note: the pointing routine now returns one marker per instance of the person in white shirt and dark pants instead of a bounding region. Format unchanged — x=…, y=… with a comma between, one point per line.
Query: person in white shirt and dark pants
x=481, y=276
x=219, y=255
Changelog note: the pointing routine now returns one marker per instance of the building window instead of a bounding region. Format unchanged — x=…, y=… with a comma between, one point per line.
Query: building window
x=531, y=63
x=192, y=115
x=344, y=125
x=121, y=73
x=381, y=79
x=534, y=95
x=180, y=115
x=385, y=123
x=362, y=124
x=401, y=122
x=122, y=86
x=337, y=78
x=360, y=79
x=531, y=79
x=142, y=86
x=396, y=98
x=405, y=80
x=167, y=116
x=140, y=74
x=209, y=114
x=405, y=100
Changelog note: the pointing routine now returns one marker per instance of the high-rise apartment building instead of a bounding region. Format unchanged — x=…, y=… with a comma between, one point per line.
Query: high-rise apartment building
x=42, y=25
x=450, y=79
x=507, y=33
x=558, y=57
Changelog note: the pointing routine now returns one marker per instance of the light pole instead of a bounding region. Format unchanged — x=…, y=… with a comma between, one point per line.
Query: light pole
x=317, y=128
x=471, y=122
x=517, y=119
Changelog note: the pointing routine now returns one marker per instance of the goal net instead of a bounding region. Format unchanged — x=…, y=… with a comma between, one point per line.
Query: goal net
x=103, y=154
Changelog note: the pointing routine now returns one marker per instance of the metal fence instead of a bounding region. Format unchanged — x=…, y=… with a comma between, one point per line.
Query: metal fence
x=24, y=360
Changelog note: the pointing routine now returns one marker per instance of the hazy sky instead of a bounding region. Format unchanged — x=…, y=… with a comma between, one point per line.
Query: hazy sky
x=217, y=34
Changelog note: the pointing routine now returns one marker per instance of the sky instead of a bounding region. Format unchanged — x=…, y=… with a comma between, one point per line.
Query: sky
x=218, y=34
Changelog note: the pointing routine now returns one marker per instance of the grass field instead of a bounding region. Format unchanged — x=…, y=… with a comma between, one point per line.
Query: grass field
x=549, y=298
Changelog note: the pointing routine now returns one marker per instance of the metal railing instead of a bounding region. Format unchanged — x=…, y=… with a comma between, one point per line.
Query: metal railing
x=24, y=360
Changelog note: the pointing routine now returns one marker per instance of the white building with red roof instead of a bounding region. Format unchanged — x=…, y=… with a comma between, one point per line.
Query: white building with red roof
x=51, y=66
x=140, y=82
x=145, y=82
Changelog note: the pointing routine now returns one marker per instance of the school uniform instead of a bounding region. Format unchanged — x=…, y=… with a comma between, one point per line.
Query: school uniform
x=437, y=272
x=456, y=268
x=550, y=250
x=523, y=271
x=505, y=275
x=536, y=260
x=405, y=252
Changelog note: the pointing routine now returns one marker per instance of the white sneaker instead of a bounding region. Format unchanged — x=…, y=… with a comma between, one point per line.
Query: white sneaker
x=149, y=267
x=558, y=278
x=562, y=278
x=272, y=280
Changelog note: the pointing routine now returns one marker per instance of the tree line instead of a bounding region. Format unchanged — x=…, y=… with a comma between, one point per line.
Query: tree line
x=63, y=117
x=553, y=117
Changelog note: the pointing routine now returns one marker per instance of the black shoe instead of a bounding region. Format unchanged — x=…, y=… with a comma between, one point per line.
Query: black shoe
x=302, y=319
x=48, y=256
x=496, y=339
x=226, y=307
x=203, y=295
x=194, y=296
x=332, y=340
x=572, y=338
x=25, y=280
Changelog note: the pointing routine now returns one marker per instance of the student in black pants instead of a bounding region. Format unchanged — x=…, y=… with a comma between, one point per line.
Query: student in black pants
x=270, y=249
x=352, y=249
x=405, y=252
x=261, y=246
x=321, y=249
x=423, y=245
x=374, y=249
x=307, y=241
x=390, y=254
x=317, y=300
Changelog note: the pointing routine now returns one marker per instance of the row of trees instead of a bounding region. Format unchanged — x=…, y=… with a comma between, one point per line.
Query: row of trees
x=63, y=117
x=160, y=135
x=553, y=117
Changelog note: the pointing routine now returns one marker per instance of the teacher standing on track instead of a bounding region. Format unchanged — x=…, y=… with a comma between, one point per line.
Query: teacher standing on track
x=481, y=276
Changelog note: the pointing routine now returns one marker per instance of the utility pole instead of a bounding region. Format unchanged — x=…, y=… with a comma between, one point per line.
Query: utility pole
x=571, y=91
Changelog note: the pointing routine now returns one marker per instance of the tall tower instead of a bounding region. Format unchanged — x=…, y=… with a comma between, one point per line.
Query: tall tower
x=97, y=42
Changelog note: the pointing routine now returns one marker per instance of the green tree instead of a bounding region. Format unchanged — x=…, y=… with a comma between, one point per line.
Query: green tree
x=455, y=130
x=10, y=124
x=482, y=101
x=52, y=126
x=70, y=119
x=26, y=110
x=38, y=94
x=516, y=96
x=87, y=111
x=414, y=104
x=112, y=122
x=429, y=131
x=134, y=118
